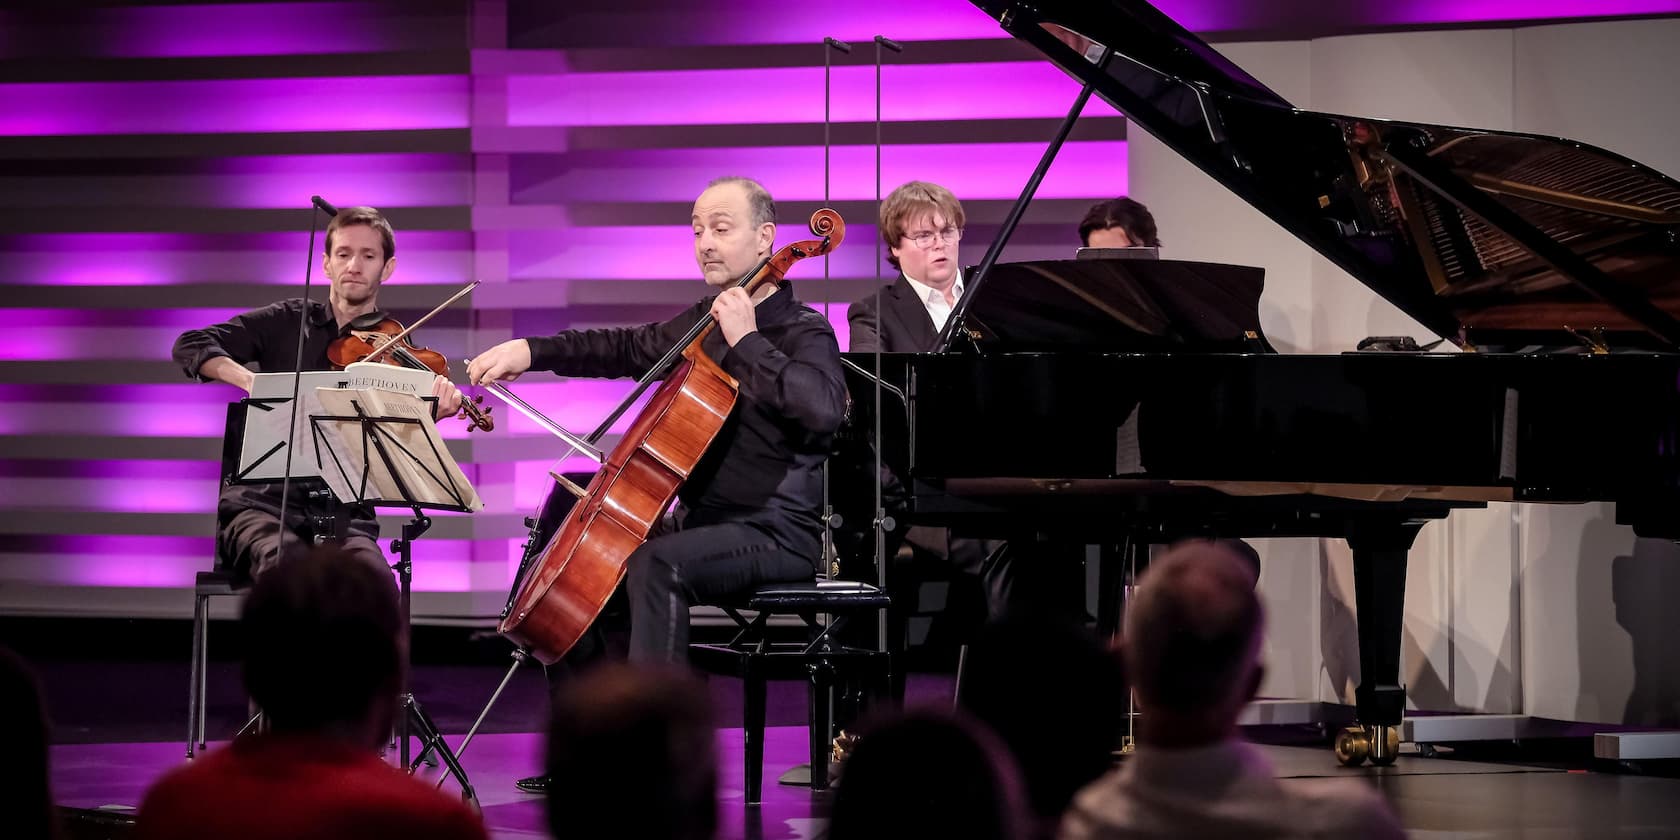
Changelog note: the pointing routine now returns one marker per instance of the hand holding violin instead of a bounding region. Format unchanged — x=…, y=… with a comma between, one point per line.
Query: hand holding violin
x=383, y=342
x=449, y=397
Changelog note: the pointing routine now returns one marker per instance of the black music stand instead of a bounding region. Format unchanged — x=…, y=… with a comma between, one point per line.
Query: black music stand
x=439, y=489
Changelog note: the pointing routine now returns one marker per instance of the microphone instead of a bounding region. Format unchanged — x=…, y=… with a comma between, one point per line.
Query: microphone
x=839, y=45
x=322, y=203
x=889, y=43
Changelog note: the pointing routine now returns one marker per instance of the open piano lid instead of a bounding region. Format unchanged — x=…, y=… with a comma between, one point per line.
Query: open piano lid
x=1485, y=237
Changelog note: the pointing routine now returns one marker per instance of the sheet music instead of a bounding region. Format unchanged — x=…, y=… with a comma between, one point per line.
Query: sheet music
x=263, y=454
x=416, y=450
x=365, y=375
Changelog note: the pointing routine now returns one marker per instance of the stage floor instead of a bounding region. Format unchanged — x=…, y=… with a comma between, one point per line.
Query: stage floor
x=1435, y=797
x=113, y=777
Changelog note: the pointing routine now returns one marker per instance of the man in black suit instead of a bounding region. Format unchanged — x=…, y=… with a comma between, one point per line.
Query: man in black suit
x=922, y=225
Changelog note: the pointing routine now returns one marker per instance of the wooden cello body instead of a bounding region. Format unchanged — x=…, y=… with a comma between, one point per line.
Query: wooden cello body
x=567, y=582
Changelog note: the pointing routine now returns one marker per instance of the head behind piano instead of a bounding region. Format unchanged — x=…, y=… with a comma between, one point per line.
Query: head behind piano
x=1119, y=223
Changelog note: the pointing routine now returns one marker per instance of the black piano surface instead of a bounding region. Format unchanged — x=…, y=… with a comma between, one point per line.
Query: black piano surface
x=1131, y=377
x=1139, y=398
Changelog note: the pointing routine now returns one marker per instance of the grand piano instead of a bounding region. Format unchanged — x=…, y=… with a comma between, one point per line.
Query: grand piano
x=1138, y=401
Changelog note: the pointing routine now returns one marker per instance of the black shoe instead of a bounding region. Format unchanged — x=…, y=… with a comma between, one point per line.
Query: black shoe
x=533, y=784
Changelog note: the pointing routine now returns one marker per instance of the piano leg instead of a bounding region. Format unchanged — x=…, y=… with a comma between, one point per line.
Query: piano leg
x=1379, y=593
x=1116, y=564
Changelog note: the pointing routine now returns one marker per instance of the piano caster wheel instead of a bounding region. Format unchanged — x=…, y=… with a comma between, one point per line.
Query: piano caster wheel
x=1378, y=744
x=1387, y=745
x=1353, y=746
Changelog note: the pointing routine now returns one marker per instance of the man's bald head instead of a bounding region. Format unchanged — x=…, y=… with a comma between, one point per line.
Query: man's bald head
x=1193, y=631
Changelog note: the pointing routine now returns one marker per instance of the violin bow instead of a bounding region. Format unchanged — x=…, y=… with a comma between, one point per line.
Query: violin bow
x=392, y=342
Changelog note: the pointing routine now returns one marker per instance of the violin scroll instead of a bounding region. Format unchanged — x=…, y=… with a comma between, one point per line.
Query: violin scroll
x=473, y=409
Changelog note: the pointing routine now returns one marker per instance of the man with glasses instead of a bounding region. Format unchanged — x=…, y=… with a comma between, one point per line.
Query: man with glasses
x=922, y=224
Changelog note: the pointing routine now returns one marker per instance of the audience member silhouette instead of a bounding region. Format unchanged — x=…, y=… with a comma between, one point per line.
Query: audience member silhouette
x=928, y=774
x=25, y=789
x=1192, y=651
x=324, y=653
x=632, y=753
x=1055, y=696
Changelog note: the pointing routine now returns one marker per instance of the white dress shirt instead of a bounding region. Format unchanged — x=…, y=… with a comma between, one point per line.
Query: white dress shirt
x=1227, y=789
x=938, y=309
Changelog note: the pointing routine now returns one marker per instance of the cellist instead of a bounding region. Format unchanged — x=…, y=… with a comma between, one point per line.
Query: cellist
x=749, y=513
x=360, y=254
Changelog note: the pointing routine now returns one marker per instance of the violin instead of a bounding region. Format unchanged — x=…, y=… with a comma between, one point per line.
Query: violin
x=385, y=341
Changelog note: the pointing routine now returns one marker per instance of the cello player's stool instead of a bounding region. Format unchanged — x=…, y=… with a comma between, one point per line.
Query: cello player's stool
x=820, y=661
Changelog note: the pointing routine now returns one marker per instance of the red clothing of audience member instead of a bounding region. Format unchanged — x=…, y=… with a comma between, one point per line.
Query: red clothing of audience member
x=299, y=786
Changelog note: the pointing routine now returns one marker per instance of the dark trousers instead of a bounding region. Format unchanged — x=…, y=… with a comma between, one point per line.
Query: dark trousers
x=670, y=573
x=676, y=568
x=1020, y=575
x=248, y=541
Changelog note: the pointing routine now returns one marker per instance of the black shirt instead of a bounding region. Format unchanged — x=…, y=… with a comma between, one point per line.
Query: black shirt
x=765, y=466
x=268, y=337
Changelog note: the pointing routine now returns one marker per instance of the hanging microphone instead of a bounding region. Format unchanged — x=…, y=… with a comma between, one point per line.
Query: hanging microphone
x=839, y=45
x=889, y=43
x=322, y=203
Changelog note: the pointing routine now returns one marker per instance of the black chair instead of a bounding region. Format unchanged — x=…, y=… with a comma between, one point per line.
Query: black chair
x=211, y=584
x=824, y=663
x=219, y=581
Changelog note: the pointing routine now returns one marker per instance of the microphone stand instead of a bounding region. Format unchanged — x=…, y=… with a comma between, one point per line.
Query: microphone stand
x=800, y=775
x=830, y=519
x=316, y=202
x=883, y=522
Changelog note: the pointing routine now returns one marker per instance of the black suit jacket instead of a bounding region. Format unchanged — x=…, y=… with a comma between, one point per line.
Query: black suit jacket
x=902, y=325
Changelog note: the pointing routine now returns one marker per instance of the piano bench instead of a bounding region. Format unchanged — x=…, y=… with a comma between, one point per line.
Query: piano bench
x=823, y=663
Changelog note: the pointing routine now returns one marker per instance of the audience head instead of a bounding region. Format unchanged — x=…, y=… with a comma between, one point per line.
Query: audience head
x=1056, y=697
x=632, y=753
x=323, y=646
x=26, y=796
x=1119, y=223
x=922, y=223
x=1192, y=643
x=930, y=773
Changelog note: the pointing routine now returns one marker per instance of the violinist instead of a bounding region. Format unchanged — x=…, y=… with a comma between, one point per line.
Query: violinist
x=748, y=513
x=360, y=254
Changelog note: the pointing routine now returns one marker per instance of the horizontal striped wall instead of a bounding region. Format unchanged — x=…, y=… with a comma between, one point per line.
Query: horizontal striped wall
x=156, y=163
x=158, y=180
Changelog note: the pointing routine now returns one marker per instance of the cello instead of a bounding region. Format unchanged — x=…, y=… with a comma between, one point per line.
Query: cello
x=564, y=585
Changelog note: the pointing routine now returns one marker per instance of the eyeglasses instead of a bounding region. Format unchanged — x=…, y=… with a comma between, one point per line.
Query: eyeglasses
x=924, y=240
